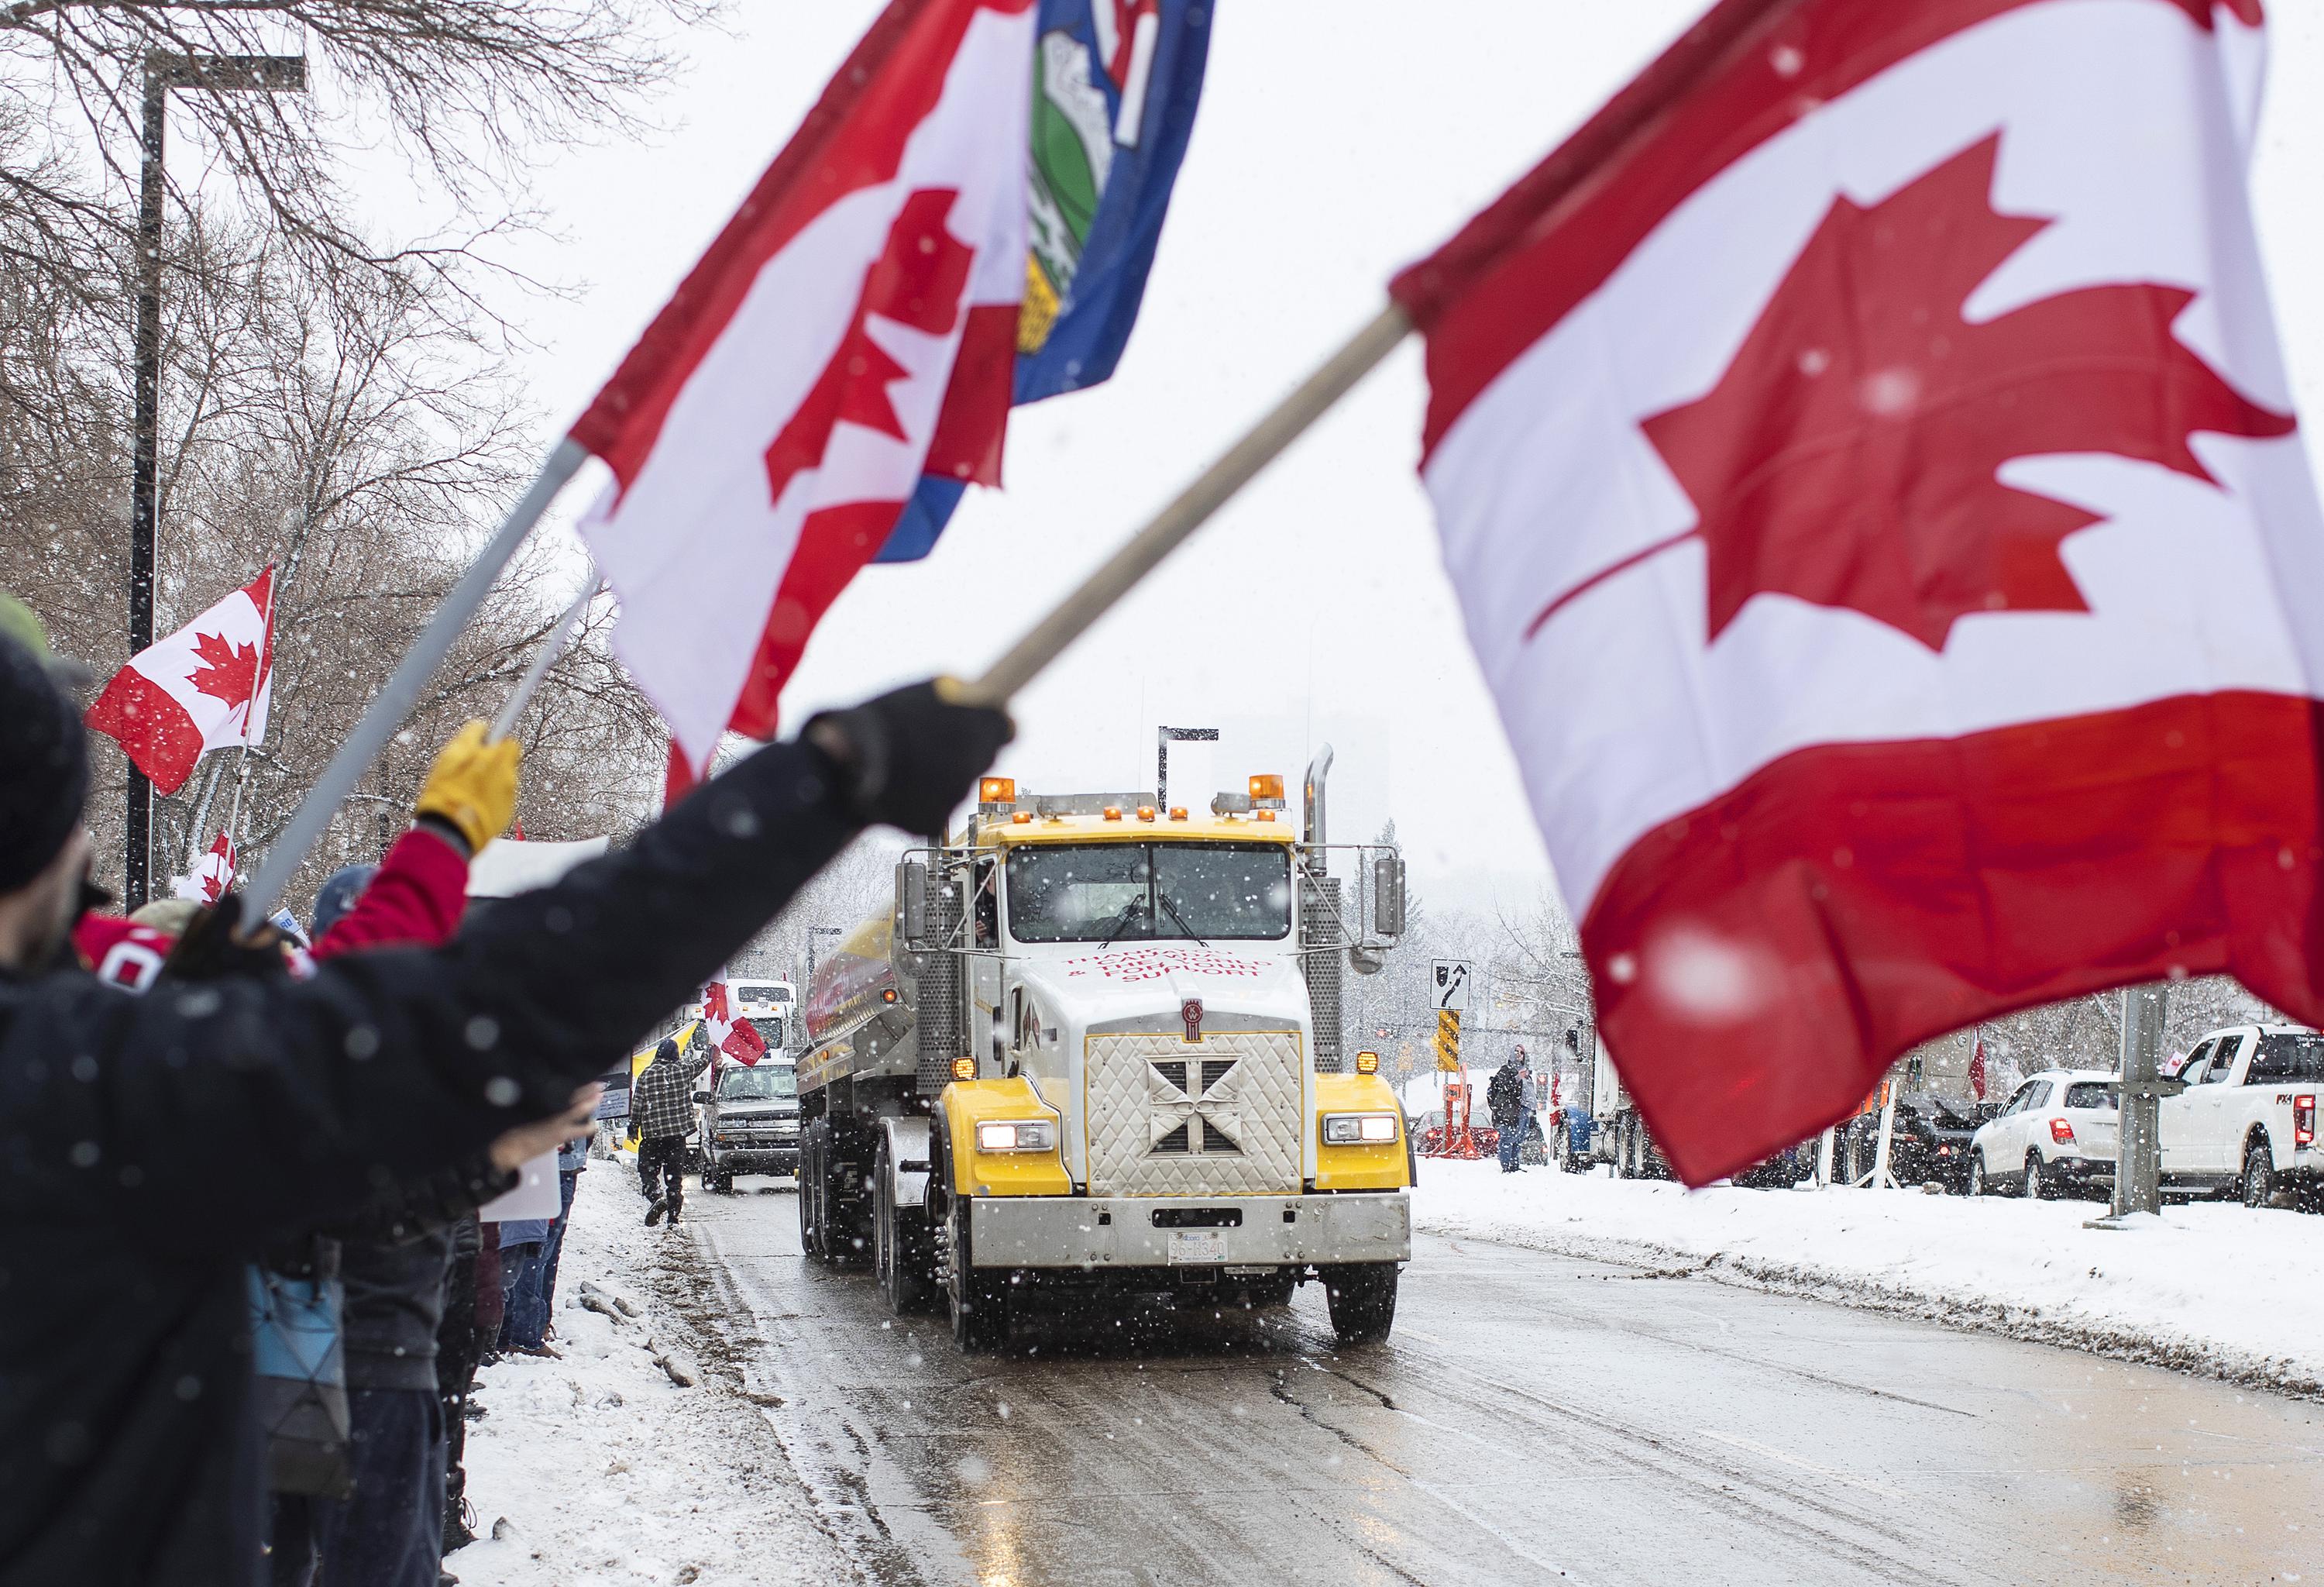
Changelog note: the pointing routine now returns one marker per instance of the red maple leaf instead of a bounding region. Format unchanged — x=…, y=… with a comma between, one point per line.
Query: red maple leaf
x=228, y=672
x=1848, y=457
x=917, y=281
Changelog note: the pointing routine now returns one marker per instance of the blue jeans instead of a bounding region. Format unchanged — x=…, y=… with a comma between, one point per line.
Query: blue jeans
x=390, y=1532
x=527, y=1314
x=568, y=1181
x=1513, y=1139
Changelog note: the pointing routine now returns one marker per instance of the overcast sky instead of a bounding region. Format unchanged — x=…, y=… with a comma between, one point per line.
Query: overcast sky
x=1336, y=142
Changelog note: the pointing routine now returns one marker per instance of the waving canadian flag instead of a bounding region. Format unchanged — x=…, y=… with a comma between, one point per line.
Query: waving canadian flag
x=1874, y=499
x=729, y=1037
x=203, y=688
x=853, y=327
x=214, y=878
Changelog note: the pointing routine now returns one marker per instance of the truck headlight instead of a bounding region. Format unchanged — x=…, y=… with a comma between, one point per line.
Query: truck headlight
x=1016, y=1135
x=1358, y=1129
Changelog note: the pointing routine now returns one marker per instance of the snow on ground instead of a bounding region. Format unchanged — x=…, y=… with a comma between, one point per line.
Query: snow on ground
x=603, y=1471
x=2211, y=1287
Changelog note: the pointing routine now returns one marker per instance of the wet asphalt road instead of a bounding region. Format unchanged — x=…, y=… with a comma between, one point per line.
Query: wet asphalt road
x=1534, y=1418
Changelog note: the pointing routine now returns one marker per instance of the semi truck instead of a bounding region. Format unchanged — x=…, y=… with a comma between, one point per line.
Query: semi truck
x=1091, y=1049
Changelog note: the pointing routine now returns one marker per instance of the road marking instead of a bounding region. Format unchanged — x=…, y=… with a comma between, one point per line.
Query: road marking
x=1882, y=1489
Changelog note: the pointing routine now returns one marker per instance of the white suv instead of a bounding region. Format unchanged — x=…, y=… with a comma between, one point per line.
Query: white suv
x=2061, y=1131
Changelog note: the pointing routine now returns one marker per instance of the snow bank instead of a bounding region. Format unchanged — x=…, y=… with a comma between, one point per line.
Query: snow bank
x=2209, y=1287
x=600, y=1470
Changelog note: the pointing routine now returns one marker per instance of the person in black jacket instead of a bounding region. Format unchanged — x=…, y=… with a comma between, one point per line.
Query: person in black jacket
x=150, y=1146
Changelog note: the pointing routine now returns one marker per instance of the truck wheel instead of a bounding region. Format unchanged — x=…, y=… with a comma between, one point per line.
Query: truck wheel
x=806, y=1221
x=894, y=1259
x=978, y=1302
x=1362, y=1301
x=1621, y=1148
x=2259, y=1175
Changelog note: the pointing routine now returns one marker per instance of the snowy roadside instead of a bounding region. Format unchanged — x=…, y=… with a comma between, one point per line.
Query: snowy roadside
x=2213, y=1288
x=603, y=1469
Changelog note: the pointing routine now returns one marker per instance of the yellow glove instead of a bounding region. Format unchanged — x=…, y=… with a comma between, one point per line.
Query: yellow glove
x=472, y=786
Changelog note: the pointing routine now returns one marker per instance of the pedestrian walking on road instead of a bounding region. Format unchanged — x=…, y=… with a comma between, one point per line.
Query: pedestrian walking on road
x=662, y=1101
x=1508, y=1097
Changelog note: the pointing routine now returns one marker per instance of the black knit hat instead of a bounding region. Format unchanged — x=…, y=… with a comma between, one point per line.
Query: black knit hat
x=43, y=766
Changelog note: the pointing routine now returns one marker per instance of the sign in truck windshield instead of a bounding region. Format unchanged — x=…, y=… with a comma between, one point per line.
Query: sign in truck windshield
x=1144, y=891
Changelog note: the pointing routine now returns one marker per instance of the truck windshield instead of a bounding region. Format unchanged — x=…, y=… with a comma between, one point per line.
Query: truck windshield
x=766, y=1083
x=769, y=1028
x=1139, y=892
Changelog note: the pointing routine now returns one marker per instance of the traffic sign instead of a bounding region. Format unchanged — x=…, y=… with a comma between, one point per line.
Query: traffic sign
x=1448, y=986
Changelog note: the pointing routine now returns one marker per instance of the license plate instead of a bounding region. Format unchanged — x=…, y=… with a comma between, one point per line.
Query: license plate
x=1197, y=1245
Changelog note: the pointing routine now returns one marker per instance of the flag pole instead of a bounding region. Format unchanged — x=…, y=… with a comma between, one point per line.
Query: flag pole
x=401, y=690
x=542, y=659
x=1169, y=529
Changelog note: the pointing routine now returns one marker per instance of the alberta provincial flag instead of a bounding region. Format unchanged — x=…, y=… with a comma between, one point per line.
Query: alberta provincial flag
x=1115, y=86
x=1869, y=475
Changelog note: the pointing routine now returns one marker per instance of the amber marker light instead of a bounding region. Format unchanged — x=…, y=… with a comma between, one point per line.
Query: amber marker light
x=963, y=1068
x=1367, y=1062
x=1113, y=812
x=1267, y=785
x=1177, y=812
x=996, y=790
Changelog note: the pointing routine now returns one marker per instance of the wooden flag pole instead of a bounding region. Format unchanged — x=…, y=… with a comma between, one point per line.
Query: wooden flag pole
x=1170, y=528
x=398, y=695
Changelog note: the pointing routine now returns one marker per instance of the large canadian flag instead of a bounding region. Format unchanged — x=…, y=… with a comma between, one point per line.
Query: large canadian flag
x=1869, y=476
x=852, y=326
x=206, y=687
x=729, y=1037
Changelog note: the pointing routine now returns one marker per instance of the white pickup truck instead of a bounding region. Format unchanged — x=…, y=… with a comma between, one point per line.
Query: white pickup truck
x=2247, y=1118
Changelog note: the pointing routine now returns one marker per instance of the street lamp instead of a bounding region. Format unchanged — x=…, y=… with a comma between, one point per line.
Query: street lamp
x=165, y=70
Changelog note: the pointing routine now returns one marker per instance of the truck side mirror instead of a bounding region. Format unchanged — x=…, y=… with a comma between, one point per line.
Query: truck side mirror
x=1387, y=894
x=701, y=1096
x=912, y=890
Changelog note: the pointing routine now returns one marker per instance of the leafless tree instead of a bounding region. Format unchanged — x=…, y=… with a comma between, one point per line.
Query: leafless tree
x=358, y=441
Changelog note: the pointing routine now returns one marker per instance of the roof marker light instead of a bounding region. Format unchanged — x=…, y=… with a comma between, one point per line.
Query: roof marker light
x=1146, y=812
x=996, y=790
x=1113, y=812
x=1177, y=812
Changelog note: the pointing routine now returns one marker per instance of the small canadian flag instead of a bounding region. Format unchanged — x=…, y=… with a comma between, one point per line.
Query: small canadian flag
x=731, y=1038
x=215, y=874
x=204, y=687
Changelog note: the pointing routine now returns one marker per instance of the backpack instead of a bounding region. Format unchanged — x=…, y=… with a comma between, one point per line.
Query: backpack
x=299, y=1373
x=1501, y=1096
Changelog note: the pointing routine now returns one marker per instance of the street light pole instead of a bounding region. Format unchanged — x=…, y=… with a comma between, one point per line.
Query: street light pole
x=164, y=70
x=2138, y=1156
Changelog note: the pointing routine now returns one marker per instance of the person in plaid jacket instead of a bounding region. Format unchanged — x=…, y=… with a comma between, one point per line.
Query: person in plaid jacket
x=663, y=1104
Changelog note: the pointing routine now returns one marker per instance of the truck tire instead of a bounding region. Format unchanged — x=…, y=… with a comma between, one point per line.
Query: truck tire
x=2259, y=1175
x=1621, y=1148
x=977, y=1304
x=1361, y=1296
x=895, y=1254
x=806, y=1221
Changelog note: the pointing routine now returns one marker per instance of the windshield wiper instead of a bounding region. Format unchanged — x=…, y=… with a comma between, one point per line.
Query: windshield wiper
x=1181, y=919
x=1121, y=922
